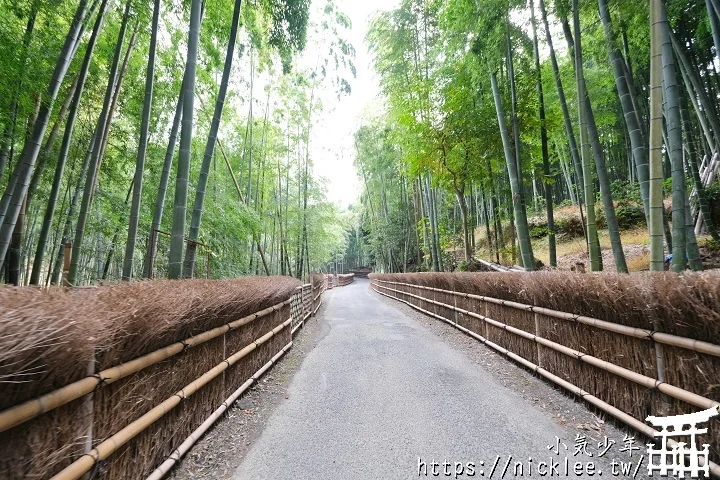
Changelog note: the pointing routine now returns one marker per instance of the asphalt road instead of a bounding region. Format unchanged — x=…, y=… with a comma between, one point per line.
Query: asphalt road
x=381, y=397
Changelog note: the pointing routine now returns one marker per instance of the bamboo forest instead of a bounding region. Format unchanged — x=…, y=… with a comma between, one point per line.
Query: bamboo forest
x=185, y=139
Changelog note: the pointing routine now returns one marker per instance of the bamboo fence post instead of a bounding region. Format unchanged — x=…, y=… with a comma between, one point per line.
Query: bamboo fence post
x=487, y=329
x=89, y=408
x=537, y=333
x=66, y=264
x=455, y=312
x=302, y=305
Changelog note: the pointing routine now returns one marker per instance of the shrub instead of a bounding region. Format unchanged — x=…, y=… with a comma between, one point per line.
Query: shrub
x=539, y=231
x=570, y=225
x=629, y=215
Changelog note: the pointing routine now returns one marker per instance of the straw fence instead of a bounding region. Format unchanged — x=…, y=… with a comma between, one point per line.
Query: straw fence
x=629, y=345
x=119, y=381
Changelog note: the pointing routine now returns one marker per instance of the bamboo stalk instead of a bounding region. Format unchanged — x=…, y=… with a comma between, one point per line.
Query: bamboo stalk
x=659, y=337
x=30, y=409
x=184, y=447
x=671, y=390
x=102, y=451
x=602, y=405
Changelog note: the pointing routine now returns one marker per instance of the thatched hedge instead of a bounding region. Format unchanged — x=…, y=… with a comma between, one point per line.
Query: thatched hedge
x=345, y=279
x=684, y=305
x=50, y=338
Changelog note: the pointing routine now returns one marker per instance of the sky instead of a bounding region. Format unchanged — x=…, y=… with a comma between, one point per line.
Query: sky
x=331, y=145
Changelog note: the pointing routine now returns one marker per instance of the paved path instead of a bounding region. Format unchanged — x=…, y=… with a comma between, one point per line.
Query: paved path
x=380, y=393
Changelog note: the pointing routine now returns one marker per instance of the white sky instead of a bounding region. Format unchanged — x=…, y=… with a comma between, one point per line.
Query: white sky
x=331, y=145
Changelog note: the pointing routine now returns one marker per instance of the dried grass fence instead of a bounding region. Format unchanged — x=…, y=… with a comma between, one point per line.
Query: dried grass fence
x=114, y=380
x=338, y=280
x=628, y=344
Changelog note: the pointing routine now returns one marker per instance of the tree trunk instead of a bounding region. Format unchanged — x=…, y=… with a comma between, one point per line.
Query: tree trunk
x=528, y=259
x=64, y=149
x=435, y=224
x=16, y=190
x=674, y=147
x=50, y=142
x=177, y=241
x=162, y=186
x=67, y=230
x=598, y=154
x=594, y=252
x=486, y=218
x=142, y=148
x=95, y=157
x=14, y=252
x=656, y=125
x=572, y=143
x=119, y=79
x=638, y=141
x=544, y=143
x=248, y=147
x=513, y=112
x=466, y=232
x=113, y=242
x=430, y=211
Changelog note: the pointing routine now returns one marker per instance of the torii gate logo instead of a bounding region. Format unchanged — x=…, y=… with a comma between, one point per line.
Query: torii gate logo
x=678, y=459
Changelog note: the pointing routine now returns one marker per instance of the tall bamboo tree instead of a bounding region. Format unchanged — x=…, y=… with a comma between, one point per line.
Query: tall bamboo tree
x=656, y=126
x=159, y=205
x=638, y=141
x=567, y=119
x=194, y=232
x=544, y=142
x=523, y=233
x=96, y=154
x=142, y=148
x=14, y=195
x=597, y=152
x=594, y=252
x=64, y=148
x=177, y=240
x=674, y=146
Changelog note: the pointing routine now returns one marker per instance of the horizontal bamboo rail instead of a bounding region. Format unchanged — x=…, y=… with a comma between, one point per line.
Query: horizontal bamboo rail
x=673, y=391
x=659, y=337
x=602, y=405
x=184, y=447
x=30, y=409
x=102, y=451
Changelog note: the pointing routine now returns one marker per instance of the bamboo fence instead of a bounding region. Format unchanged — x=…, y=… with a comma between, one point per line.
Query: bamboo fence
x=126, y=420
x=622, y=370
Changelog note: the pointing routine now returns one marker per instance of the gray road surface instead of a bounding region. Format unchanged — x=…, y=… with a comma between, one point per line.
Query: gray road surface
x=381, y=397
